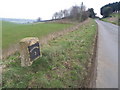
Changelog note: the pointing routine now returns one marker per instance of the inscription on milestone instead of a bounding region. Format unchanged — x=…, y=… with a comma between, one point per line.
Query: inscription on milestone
x=34, y=51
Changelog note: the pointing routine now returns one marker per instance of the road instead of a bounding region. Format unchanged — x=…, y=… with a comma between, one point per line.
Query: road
x=107, y=55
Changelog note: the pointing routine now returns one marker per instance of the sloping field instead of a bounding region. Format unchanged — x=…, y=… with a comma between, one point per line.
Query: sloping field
x=12, y=33
x=65, y=62
x=115, y=19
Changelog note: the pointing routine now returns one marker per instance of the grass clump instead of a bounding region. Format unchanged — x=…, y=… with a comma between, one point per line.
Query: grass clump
x=62, y=65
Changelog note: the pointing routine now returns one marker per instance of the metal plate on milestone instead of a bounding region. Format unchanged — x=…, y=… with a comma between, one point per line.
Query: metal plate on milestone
x=34, y=51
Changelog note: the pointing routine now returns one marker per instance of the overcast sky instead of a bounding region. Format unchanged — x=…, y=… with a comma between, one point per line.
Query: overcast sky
x=32, y=9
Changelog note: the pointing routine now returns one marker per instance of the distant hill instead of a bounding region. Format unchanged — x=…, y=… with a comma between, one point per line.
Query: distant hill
x=18, y=20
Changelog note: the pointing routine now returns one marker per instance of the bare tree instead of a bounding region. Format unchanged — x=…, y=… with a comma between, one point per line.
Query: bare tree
x=83, y=12
x=65, y=13
x=74, y=11
x=39, y=19
x=61, y=14
x=55, y=16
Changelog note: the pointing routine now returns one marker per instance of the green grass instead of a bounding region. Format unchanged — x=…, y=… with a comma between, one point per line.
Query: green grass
x=114, y=19
x=62, y=65
x=12, y=33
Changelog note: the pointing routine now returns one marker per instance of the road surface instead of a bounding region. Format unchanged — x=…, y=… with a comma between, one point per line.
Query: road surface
x=107, y=55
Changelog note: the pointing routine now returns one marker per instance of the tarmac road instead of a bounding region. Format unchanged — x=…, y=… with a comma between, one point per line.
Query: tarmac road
x=107, y=55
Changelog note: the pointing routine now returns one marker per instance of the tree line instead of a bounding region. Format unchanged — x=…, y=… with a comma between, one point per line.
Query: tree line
x=75, y=13
x=110, y=8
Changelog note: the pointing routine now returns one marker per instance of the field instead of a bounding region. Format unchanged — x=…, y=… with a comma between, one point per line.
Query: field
x=113, y=19
x=12, y=33
x=64, y=62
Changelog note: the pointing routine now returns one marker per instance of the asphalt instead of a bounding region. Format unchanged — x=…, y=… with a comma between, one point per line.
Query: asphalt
x=107, y=55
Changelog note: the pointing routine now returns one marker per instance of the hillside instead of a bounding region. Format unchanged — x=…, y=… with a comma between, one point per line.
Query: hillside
x=113, y=18
x=65, y=63
x=12, y=33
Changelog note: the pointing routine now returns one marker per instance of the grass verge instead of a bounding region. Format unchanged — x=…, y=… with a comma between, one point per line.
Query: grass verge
x=114, y=19
x=64, y=62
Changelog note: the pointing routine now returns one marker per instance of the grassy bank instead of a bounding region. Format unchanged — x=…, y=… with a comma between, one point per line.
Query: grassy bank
x=64, y=62
x=114, y=19
x=12, y=33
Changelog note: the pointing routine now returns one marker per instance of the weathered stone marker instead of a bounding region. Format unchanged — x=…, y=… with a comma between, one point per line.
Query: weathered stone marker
x=29, y=50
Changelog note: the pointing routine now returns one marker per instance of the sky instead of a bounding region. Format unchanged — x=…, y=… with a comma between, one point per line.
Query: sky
x=32, y=9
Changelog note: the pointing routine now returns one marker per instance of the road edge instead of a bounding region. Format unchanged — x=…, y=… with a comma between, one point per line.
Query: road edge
x=93, y=69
